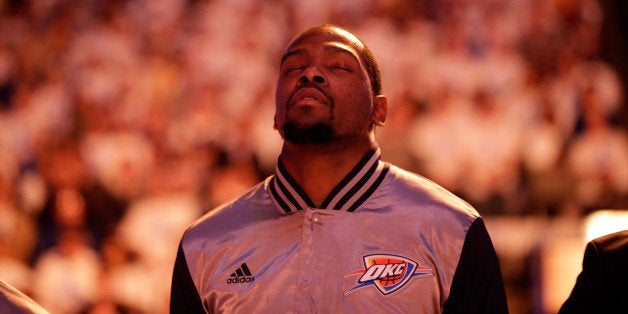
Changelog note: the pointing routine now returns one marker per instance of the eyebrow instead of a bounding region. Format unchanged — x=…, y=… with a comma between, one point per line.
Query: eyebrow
x=341, y=49
x=290, y=53
x=328, y=48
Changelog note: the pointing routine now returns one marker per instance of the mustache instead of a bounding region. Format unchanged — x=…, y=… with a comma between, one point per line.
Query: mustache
x=307, y=85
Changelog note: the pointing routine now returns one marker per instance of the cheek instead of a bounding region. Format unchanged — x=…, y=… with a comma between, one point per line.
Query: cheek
x=280, y=115
x=357, y=106
x=281, y=98
x=357, y=98
x=285, y=86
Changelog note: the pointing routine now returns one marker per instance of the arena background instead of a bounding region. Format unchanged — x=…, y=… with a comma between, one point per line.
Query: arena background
x=123, y=121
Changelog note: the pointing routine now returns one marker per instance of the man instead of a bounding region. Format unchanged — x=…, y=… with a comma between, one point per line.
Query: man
x=336, y=229
x=602, y=286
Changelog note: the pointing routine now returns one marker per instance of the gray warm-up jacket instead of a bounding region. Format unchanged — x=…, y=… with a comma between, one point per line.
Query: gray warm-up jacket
x=384, y=241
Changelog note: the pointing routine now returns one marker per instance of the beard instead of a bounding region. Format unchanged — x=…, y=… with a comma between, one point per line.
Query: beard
x=318, y=133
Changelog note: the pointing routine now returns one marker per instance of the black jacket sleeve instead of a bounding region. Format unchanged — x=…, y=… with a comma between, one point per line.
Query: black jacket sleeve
x=477, y=285
x=184, y=297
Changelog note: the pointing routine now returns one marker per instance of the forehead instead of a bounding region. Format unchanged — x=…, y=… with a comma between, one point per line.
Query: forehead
x=331, y=40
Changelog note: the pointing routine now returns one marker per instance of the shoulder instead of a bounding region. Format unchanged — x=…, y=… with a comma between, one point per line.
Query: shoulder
x=411, y=187
x=421, y=204
x=614, y=243
x=231, y=215
x=14, y=301
x=610, y=252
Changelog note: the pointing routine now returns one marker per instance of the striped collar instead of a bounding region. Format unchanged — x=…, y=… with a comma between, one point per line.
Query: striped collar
x=348, y=195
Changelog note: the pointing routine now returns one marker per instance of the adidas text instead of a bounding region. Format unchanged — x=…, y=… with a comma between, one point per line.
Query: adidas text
x=240, y=280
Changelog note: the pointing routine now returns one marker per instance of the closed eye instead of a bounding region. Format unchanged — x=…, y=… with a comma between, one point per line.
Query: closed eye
x=291, y=70
x=340, y=68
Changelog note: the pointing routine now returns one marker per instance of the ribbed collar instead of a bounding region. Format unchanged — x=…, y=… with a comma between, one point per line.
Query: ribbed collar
x=349, y=194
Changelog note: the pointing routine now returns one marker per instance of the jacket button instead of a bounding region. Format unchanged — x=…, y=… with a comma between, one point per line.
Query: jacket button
x=315, y=218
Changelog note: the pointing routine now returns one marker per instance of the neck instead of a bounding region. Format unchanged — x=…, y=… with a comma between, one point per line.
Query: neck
x=319, y=168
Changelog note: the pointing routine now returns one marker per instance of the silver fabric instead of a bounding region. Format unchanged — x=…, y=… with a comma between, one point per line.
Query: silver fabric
x=309, y=260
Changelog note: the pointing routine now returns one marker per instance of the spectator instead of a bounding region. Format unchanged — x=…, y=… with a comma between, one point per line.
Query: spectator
x=66, y=275
x=598, y=158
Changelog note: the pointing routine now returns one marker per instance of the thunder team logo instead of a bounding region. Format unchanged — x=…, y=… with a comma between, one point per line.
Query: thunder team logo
x=387, y=272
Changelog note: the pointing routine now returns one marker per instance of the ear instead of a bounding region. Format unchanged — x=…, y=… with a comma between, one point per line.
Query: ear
x=380, y=110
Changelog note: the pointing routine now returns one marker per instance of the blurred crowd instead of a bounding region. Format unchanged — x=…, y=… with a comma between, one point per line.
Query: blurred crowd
x=121, y=122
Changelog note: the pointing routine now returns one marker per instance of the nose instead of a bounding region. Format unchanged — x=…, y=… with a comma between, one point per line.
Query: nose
x=312, y=74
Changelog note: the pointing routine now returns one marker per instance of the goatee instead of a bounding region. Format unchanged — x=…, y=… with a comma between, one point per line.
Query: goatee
x=319, y=133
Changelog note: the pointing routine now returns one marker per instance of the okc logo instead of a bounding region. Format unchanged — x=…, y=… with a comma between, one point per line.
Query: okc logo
x=387, y=272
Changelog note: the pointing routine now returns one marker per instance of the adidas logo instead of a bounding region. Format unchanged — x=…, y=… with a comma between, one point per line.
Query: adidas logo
x=241, y=275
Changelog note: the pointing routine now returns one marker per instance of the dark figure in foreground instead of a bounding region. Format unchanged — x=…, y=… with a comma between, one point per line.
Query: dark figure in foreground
x=336, y=229
x=602, y=286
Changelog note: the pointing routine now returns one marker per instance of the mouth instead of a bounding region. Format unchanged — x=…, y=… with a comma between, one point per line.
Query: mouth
x=308, y=96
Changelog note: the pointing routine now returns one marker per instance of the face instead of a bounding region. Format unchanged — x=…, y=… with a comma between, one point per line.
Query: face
x=323, y=91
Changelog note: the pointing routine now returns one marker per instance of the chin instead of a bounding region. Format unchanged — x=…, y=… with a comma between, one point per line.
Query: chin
x=317, y=133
